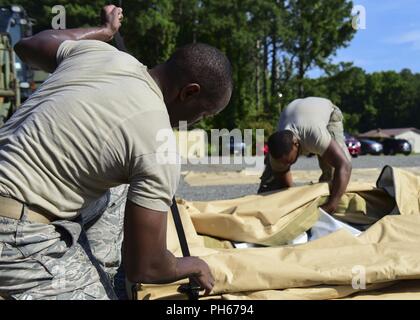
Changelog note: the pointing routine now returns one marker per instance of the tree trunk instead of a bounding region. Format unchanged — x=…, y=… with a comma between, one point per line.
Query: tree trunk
x=257, y=76
x=265, y=69
x=274, y=76
x=301, y=76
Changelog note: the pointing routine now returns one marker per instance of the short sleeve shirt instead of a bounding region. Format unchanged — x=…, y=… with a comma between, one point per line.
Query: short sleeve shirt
x=97, y=122
x=308, y=120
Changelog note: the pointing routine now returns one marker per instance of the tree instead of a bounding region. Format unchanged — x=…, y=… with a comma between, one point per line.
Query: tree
x=346, y=87
x=315, y=30
x=79, y=13
x=227, y=25
x=150, y=30
x=271, y=44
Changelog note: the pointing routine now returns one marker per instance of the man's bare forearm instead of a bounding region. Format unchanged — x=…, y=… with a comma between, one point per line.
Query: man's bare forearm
x=336, y=158
x=169, y=269
x=146, y=258
x=161, y=270
x=41, y=49
x=102, y=33
x=339, y=183
x=285, y=179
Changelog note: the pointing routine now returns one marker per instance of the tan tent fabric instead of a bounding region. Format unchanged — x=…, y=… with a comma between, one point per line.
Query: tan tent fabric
x=402, y=290
x=312, y=293
x=404, y=187
x=272, y=219
x=322, y=269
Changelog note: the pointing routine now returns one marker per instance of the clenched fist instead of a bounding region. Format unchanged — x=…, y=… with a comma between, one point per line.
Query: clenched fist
x=111, y=18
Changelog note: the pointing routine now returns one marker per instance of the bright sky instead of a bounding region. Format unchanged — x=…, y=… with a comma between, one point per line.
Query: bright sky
x=391, y=40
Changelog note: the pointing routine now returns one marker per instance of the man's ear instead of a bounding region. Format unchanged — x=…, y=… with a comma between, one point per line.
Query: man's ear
x=190, y=90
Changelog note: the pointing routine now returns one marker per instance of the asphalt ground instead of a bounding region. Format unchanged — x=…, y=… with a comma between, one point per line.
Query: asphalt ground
x=206, y=193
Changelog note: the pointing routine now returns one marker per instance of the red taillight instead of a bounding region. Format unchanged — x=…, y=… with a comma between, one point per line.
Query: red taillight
x=265, y=149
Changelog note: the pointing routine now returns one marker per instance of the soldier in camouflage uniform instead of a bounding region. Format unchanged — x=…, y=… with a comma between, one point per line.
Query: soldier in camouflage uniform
x=309, y=126
x=67, y=155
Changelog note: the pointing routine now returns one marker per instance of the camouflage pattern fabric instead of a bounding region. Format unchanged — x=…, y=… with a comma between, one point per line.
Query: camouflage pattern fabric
x=65, y=260
x=336, y=130
x=106, y=234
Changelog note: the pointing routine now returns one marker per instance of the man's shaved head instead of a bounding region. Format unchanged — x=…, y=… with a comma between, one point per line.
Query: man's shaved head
x=205, y=65
x=196, y=82
x=280, y=143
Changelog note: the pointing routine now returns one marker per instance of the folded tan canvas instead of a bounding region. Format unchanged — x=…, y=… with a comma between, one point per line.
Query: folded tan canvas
x=381, y=263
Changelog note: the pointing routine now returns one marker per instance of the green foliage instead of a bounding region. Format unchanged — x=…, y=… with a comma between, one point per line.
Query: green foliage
x=78, y=12
x=271, y=44
x=316, y=29
x=149, y=31
x=380, y=100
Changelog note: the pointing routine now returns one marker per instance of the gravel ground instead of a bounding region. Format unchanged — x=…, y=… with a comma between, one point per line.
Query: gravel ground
x=305, y=163
x=215, y=192
x=234, y=191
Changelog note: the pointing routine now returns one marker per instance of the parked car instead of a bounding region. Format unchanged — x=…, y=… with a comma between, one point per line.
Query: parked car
x=371, y=147
x=232, y=146
x=394, y=146
x=353, y=145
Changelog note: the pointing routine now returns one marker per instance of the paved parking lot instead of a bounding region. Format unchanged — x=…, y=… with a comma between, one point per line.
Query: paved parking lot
x=233, y=191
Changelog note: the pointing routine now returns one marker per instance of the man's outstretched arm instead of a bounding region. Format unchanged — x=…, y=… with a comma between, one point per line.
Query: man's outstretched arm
x=145, y=255
x=41, y=49
x=284, y=179
x=335, y=157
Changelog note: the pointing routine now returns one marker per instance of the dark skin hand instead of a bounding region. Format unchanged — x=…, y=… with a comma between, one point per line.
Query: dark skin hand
x=146, y=258
x=335, y=157
x=285, y=179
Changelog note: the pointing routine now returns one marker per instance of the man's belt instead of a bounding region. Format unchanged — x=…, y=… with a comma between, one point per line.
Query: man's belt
x=13, y=209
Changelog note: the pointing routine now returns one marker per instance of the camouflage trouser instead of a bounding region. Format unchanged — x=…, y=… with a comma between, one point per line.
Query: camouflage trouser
x=335, y=128
x=64, y=260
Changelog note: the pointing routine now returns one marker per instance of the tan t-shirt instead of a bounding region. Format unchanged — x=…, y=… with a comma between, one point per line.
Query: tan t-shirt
x=308, y=120
x=92, y=125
